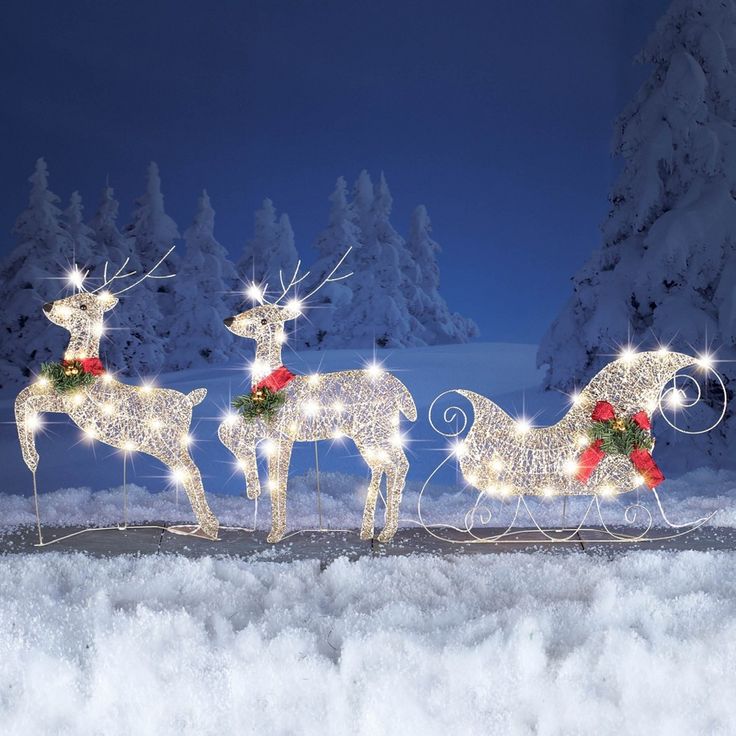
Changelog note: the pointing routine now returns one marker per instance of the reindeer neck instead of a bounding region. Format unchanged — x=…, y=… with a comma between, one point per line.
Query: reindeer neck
x=268, y=357
x=83, y=344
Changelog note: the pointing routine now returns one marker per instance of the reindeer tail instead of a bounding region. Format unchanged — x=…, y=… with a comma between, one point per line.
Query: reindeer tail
x=197, y=396
x=406, y=405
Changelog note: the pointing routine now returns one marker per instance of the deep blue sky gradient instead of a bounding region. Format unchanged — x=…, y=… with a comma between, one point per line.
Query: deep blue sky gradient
x=496, y=115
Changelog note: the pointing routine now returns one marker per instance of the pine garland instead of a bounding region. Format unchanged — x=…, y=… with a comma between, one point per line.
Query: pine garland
x=260, y=403
x=67, y=376
x=620, y=436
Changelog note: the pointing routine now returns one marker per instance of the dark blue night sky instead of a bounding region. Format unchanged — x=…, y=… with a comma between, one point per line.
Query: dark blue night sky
x=496, y=115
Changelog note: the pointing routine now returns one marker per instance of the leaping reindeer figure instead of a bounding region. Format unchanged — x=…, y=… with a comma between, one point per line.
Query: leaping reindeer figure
x=363, y=405
x=155, y=421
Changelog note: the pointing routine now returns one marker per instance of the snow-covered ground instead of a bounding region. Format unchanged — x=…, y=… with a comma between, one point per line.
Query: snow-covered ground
x=499, y=644
x=80, y=483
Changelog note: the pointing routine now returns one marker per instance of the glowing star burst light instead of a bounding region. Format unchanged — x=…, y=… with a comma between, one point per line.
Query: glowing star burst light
x=131, y=418
x=363, y=405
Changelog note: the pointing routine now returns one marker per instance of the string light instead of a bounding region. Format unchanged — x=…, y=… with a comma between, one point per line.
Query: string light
x=363, y=405
x=131, y=418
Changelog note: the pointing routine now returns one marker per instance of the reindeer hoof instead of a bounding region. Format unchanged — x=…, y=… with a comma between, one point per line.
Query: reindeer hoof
x=366, y=535
x=386, y=535
x=253, y=495
x=192, y=531
x=276, y=535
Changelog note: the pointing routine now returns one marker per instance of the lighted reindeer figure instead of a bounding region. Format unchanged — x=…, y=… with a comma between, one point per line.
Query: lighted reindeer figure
x=362, y=405
x=145, y=419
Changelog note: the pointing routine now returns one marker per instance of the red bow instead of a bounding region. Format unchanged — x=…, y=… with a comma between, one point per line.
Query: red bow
x=640, y=458
x=276, y=380
x=89, y=365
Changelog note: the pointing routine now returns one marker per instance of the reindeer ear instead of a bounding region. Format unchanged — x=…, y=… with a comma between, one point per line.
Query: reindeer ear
x=108, y=302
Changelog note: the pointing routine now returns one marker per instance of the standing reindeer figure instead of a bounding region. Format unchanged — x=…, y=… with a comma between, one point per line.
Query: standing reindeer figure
x=363, y=405
x=131, y=418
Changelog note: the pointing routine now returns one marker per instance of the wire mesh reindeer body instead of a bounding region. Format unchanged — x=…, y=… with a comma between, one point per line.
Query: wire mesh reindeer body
x=362, y=405
x=145, y=419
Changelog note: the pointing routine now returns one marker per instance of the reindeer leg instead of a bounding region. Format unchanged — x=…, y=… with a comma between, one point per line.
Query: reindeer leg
x=369, y=511
x=278, y=476
x=396, y=477
x=249, y=464
x=31, y=401
x=192, y=480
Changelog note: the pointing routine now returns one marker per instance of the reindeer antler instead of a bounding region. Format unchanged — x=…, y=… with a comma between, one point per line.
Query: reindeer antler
x=328, y=279
x=120, y=275
x=296, y=279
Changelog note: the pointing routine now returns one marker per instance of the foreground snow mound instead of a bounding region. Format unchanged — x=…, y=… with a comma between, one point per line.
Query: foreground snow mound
x=692, y=496
x=498, y=644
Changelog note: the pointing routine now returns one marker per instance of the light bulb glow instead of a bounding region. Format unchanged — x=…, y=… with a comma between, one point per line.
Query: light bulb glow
x=76, y=278
x=374, y=370
x=33, y=422
x=295, y=305
x=255, y=293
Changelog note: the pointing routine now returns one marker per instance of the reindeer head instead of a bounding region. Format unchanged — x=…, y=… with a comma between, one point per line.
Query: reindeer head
x=261, y=322
x=267, y=319
x=82, y=312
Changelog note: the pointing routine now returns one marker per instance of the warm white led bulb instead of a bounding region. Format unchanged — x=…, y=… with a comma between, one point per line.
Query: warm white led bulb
x=374, y=370
x=295, y=305
x=627, y=354
x=254, y=293
x=76, y=278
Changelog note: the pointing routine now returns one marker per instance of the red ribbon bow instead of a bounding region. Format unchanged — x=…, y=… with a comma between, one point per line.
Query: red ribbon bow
x=640, y=458
x=276, y=380
x=89, y=365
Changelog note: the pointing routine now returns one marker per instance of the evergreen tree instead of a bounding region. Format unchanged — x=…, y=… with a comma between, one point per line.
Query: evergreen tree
x=32, y=274
x=130, y=343
x=270, y=250
x=80, y=236
x=152, y=233
x=375, y=315
x=201, y=294
x=438, y=324
x=321, y=326
x=667, y=266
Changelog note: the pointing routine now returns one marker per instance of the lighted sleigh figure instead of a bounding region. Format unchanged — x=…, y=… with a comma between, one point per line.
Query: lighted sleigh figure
x=601, y=448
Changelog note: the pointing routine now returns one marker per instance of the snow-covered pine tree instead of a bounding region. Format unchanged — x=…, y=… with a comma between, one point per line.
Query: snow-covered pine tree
x=33, y=273
x=201, y=294
x=426, y=305
x=377, y=313
x=667, y=268
x=152, y=232
x=84, y=252
x=130, y=343
x=270, y=250
x=321, y=328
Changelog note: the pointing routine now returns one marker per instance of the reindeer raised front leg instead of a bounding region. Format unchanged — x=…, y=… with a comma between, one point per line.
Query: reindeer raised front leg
x=30, y=402
x=278, y=476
